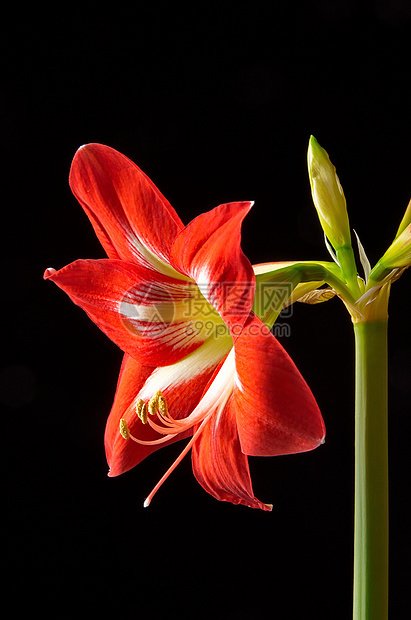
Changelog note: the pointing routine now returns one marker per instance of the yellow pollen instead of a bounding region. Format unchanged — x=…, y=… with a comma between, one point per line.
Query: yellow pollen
x=124, y=432
x=153, y=403
x=162, y=406
x=141, y=410
x=157, y=404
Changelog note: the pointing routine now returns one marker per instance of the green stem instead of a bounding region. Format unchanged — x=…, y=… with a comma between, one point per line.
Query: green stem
x=371, y=473
x=346, y=259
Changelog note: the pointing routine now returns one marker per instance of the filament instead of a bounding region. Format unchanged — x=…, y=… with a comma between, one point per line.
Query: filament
x=178, y=460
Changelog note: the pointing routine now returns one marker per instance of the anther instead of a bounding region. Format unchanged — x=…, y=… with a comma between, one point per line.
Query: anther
x=153, y=403
x=124, y=432
x=141, y=410
x=162, y=406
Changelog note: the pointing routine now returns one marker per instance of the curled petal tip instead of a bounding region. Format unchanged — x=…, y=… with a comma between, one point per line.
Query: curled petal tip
x=250, y=204
x=49, y=272
x=113, y=472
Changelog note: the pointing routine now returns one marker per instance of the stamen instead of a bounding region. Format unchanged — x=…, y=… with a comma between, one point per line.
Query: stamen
x=164, y=430
x=141, y=410
x=124, y=431
x=153, y=403
x=162, y=406
x=156, y=406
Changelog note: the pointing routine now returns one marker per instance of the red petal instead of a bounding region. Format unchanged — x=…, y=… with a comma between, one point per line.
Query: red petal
x=218, y=463
x=182, y=388
x=275, y=409
x=131, y=218
x=208, y=250
x=142, y=311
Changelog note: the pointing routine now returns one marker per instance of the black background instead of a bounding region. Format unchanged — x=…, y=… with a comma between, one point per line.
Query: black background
x=214, y=105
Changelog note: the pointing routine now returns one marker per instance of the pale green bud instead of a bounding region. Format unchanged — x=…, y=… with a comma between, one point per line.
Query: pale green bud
x=399, y=253
x=328, y=196
x=406, y=220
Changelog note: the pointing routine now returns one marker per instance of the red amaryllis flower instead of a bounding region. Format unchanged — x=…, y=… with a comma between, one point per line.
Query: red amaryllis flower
x=198, y=362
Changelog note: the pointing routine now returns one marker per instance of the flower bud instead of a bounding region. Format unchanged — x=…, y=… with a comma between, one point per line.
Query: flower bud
x=328, y=196
x=406, y=220
x=399, y=253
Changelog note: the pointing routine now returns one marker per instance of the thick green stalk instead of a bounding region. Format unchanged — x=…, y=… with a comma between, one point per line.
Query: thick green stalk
x=371, y=473
x=346, y=259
